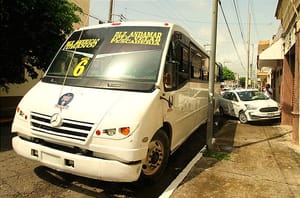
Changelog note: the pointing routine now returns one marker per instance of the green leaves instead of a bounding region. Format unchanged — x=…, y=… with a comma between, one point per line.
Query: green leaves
x=228, y=74
x=217, y=155
x=31, y=31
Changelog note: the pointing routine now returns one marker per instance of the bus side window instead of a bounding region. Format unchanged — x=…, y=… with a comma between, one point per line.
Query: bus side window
x=183, y=67
x=177, y=70
x=170, y=74
x=196, y=70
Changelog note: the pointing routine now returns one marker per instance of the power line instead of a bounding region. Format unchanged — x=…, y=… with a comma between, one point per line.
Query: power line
x=192, y=20
x=236, y=8
x=180, y=16
x=89, y=15
x=231, y=35
x=175, y=15
x=254, y=20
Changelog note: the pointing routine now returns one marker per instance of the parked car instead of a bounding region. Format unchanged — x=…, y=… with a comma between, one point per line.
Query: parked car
x=223, y=90
x=248, y=105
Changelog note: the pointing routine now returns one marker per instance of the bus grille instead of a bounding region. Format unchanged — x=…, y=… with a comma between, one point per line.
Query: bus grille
x=71, y=129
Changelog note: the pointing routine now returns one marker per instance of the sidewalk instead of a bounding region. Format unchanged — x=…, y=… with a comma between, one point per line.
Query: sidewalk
x=249, y=161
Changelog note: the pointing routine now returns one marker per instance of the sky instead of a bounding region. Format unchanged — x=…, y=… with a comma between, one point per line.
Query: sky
x=196, y=15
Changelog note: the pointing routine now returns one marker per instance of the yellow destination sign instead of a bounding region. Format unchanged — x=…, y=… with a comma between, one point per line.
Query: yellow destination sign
x=84, y=43
x=142, y=38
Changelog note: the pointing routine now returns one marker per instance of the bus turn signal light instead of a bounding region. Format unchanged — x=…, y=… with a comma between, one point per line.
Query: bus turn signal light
x=125, y=130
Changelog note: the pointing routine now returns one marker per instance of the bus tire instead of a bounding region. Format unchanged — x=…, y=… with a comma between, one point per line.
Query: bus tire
x=157, y=157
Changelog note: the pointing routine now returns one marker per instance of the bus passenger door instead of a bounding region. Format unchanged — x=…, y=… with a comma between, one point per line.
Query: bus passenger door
x=178, y=103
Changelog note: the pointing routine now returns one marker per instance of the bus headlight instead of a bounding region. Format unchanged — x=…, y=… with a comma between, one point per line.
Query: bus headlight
x=115, y=132
x=110, y=132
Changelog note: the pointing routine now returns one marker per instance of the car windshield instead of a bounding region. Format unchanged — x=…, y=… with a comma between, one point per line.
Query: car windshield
x=252, y=95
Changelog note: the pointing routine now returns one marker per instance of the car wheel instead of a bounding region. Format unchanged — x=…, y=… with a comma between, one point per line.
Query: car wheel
x=243, y=118
x=157, y=157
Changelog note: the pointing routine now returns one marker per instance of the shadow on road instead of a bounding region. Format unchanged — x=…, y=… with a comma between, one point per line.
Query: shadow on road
x=224, y=135
x=5, y=136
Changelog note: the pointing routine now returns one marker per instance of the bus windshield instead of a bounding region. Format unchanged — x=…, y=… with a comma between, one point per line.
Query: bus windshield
x=123, y=54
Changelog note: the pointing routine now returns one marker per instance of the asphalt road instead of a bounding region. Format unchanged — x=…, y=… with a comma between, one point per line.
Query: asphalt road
x=20, y=177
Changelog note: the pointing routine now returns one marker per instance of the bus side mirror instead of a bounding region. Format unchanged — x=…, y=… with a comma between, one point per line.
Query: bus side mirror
x=170, y=74
x=168, y=80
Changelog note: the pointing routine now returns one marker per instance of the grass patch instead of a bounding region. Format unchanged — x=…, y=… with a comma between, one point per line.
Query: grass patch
x=216, y=155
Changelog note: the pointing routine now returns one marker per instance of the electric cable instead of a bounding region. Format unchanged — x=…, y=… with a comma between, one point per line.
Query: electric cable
x=234, y=45
x=236, y=8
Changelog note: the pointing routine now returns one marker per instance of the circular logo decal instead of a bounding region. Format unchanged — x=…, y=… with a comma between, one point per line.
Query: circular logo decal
x=65, y=99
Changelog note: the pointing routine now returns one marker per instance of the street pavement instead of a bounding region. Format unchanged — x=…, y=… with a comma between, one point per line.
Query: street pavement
x=248, y=160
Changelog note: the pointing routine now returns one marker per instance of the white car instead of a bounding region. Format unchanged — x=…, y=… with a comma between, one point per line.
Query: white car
x=248, y=105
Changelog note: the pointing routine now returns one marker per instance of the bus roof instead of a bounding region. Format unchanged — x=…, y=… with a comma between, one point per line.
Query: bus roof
x=131, y=23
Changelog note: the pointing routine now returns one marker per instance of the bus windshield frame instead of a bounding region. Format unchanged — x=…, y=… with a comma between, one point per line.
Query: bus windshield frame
x=123, y=57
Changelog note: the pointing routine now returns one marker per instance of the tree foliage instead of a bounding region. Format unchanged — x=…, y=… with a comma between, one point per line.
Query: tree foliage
x=228, y=74
x=31, y=31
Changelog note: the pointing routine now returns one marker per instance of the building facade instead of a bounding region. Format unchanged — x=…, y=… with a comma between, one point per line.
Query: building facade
x=288, y=14
x=269, y=67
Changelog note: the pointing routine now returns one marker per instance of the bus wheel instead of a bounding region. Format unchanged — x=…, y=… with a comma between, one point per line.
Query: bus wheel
x=157, y=157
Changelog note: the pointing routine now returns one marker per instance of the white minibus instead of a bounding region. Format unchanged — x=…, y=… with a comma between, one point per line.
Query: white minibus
x=115, y=102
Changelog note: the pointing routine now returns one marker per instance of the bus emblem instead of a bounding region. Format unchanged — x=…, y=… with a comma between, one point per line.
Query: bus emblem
x=56, y=120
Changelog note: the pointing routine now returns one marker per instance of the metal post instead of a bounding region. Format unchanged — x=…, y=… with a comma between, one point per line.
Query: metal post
x=248, y=52
x=211, y=83
x=110, y=11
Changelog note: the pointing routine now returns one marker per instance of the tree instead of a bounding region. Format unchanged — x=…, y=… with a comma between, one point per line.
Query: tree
x=228, y=74
x=31, y=31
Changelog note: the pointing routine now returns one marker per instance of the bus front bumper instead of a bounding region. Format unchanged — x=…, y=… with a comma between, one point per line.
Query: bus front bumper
x=96, y=168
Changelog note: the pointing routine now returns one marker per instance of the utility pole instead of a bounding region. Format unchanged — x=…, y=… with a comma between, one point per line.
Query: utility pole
x=110, y=14
x=248, y=52
x=211, y=82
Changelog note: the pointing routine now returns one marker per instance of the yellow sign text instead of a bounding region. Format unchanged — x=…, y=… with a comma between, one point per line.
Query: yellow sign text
x=84, y=43
x=142, y=38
